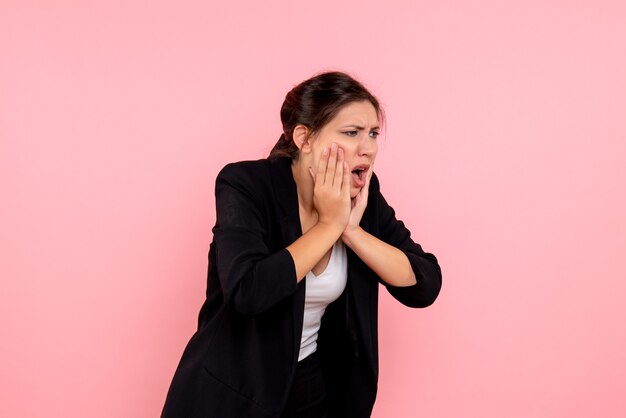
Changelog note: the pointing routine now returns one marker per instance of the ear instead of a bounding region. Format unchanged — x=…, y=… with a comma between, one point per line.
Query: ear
x=302, y=138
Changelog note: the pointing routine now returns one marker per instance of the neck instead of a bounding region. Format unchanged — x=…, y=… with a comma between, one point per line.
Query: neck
x=304, y=184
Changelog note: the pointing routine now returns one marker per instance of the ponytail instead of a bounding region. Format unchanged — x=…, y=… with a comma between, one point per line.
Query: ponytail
x=284, y=148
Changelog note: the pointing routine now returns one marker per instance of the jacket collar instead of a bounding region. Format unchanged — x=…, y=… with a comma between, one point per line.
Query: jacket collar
x=286, y=198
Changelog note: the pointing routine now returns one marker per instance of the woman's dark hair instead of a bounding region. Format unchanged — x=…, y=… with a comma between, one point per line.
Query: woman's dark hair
x=314, y=102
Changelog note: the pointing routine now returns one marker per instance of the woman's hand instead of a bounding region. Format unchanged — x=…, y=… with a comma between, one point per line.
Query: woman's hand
x=331, y=195
x=359, y=203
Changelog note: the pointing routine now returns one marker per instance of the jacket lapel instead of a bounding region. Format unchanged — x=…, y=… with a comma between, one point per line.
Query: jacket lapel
x=286, y=197
x=286, y=200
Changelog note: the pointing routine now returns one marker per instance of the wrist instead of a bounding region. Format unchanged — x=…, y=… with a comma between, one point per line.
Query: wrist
x=351, y=235
x=329, y=228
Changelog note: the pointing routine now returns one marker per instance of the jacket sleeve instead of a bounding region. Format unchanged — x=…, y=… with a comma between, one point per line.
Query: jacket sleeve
x=253, y=278
x=424, y=265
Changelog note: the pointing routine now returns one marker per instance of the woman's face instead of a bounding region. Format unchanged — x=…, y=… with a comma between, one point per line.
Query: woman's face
x=354, y=129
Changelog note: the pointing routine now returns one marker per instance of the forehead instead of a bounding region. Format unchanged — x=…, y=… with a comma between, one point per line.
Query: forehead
x=360, y=113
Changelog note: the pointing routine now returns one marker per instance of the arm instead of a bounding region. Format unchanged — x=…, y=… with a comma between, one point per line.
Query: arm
x=253, y=278
x=309, y=249
x=393, y=253
x=388, y=262
x=424, y=265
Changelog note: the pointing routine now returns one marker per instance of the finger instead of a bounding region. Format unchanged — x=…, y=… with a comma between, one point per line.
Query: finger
x=338, y=178
x=368, y=177
x=364, y=193
x=312, y=174
x=332, y=164
x=321, y=167
x=347, y=178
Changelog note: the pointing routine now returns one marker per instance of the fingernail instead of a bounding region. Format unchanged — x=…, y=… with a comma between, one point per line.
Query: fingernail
x=334, y=146
x=325, y=152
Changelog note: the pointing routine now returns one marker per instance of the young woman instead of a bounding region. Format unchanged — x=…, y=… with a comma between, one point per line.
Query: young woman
x=301, y=242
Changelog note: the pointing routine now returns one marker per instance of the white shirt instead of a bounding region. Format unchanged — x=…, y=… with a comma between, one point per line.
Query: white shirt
x=320, y=291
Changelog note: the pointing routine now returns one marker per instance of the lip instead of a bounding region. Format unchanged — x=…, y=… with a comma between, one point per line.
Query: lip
x=363, y=166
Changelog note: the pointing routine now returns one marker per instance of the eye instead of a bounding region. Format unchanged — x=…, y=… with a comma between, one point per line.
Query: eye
x=351, y=133
x=374, y=134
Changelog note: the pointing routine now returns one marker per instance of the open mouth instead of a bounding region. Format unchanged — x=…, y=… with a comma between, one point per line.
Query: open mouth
x=358, y=175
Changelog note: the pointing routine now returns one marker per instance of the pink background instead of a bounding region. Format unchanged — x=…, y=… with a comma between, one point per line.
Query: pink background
x=504, y=154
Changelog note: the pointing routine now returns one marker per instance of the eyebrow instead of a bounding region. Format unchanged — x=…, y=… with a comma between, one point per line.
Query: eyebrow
x=360, y=128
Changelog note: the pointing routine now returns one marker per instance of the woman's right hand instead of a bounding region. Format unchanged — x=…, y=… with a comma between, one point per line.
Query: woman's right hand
x=331, y=199
x=331, y=194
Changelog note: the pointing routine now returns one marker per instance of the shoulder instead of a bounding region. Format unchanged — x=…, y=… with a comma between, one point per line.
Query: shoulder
x=377, y=209
x=374, y=194
x=258, y=179
x=244, y=171
x=252, y=176
x=374, y=183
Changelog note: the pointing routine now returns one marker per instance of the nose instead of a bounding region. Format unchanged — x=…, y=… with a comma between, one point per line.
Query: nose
x=367, y=146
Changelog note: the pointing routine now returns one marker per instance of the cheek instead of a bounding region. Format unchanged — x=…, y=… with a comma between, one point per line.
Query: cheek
x=314, y=160
x=317, y=149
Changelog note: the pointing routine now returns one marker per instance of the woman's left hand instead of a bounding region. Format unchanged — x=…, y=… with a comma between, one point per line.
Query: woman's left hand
x=359, y=203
